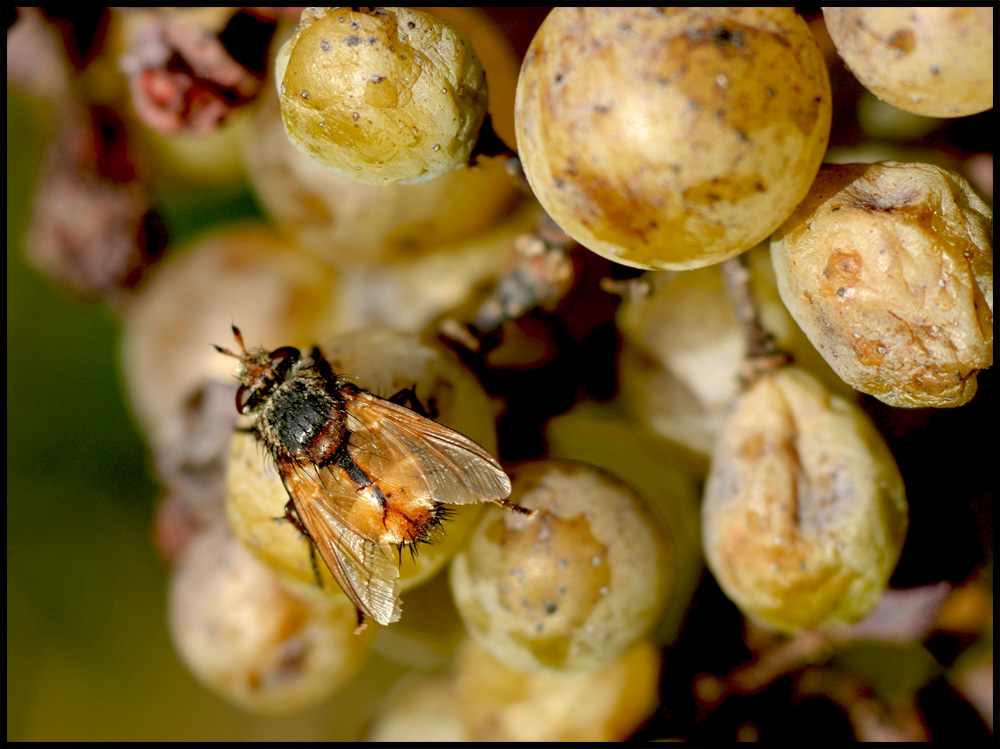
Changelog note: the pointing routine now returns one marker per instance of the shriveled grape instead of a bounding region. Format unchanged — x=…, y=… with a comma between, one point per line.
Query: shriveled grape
x=888, y=268
x=805, y=512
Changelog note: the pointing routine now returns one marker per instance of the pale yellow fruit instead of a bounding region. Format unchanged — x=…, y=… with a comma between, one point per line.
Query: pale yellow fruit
x=420, y=707
x=937, y=62
x=340, y=220
x=381, y=96
x=666, y=476
x=672, y=138
x=572, y=588
x=888, y=268
x=250, y=640
x=684, y=351
x=245, y=274
x=500, y=703
x=805, y=512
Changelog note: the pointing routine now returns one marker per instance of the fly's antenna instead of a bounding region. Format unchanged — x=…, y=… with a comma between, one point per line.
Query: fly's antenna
x=239, y=339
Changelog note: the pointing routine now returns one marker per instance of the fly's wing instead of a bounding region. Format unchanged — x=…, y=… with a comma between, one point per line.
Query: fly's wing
x=403, y=448
x=365, y=569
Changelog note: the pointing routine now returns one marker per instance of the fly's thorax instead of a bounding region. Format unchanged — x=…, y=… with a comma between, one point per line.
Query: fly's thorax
x=302, y=419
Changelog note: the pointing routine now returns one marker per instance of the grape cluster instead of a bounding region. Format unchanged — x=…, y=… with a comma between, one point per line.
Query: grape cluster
x=700, y=352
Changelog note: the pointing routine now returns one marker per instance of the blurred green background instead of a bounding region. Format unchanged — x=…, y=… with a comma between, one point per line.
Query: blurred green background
x=89, y=657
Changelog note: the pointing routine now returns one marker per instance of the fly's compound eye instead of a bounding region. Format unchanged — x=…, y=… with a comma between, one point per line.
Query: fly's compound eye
x=243, y=396
x=283, y=359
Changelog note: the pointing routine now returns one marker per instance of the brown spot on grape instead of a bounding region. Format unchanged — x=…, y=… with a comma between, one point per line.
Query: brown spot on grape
x=892, y=201
x=732, y=190
x=903, y=41
x=752, y=447
x=869, y=353
x=842, y=270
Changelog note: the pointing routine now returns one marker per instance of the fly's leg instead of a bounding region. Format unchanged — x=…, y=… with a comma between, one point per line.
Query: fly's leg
x=407, y=397
x=292, y=516
x=508, y=505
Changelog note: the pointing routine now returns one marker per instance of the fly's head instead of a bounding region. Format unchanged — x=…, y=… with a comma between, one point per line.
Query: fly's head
x=260, y=372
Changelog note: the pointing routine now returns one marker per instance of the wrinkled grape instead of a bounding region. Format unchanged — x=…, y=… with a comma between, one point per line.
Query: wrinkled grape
x=888, y=268
x=805, y=512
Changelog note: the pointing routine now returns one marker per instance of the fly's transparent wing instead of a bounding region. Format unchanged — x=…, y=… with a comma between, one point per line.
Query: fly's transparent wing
x=366, y=569
x=404, y=444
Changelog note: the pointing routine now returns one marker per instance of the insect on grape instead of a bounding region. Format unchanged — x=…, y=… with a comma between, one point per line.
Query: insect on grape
x=363, y=474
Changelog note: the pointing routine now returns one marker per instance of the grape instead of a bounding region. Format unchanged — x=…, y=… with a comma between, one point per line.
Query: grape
x=681, y=367
x=671, y=139
x=423, y=705
x=805, y=512
x=246, y=273
x=407, y=296
x=341, y=220
x=249, y=639
x=888, y=268
x=501, y=703
x=391, y=95
x=664, y=473
x=572, y=588
x=485, y=699
x=936, y=62
x=336, y=254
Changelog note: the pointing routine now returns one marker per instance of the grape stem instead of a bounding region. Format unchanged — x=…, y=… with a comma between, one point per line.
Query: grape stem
x=872, y=718
x=491, y=144
x=902, y=616
x=763, y=354
x=541, y=272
